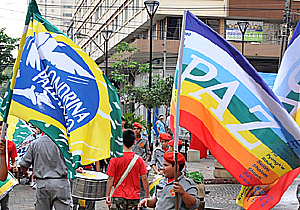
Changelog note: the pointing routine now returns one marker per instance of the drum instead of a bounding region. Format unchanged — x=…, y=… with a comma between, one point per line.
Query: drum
x=90, y=185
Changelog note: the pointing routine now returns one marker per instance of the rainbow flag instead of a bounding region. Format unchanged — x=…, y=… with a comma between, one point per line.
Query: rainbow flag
x=287, y=89
x=60, y=89
x=228, y=106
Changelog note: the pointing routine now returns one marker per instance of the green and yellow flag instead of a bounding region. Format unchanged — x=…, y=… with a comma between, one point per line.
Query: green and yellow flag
x=60, y=89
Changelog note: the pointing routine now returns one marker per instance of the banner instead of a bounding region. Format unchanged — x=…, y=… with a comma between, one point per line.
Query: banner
x=228, y=106
x=56, y=84
x=254, y=31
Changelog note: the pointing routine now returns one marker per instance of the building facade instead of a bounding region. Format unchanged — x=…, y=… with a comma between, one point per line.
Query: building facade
x=57, y=12
x=129, y=21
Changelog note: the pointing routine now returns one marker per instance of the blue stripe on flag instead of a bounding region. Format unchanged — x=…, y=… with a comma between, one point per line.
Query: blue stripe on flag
x=196, y=25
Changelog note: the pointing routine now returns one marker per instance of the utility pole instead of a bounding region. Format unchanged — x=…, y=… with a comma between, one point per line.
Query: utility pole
x=165, y=51
x=286, y=28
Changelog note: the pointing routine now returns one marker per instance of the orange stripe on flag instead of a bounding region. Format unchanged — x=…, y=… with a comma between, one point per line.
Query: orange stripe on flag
x=221, y=135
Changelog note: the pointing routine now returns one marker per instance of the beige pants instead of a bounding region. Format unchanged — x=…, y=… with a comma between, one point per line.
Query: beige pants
x=53, y=192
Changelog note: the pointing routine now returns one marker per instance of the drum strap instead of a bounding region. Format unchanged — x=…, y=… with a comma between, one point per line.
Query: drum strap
x=128, y=169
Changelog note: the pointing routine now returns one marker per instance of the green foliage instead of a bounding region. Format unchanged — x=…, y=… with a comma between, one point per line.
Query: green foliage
x=123, y=64
x=7, y=45
x=123, y=77
x=159, y=95
x=130, y=118
x=196, y=176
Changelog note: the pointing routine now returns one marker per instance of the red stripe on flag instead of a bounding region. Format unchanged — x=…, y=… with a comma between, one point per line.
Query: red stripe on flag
x=273, y=196
x=197, y=144
x=196, y=126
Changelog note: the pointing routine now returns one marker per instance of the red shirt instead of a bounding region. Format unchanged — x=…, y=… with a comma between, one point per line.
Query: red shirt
x=130, y=187
x=12, y=151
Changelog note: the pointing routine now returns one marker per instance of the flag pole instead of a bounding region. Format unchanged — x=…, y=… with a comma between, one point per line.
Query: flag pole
x=180, y=57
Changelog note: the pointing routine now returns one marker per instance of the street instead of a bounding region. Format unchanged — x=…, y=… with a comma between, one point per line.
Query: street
x=220, y=196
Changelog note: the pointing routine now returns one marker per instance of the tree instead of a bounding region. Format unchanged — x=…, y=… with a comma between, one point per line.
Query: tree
x=7, y=45
x=123, y=77
x=125, y=69
x=159, y=95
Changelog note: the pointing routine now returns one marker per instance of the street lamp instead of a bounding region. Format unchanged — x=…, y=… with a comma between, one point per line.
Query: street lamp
x=81, y=35
x=243, y=27
x=106, y=35
x=151, y=7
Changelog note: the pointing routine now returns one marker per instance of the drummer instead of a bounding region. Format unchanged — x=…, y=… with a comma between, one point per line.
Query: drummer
x=84, y=204
x=50, y=171
x=157, y=156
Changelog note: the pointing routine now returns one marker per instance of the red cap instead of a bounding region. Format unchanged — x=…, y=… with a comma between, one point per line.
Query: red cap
x=165, y=136
x=169, y=157
x=171, y=143
x=138, y=125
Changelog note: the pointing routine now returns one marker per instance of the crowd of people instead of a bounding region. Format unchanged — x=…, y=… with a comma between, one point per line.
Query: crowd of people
x=127, y=184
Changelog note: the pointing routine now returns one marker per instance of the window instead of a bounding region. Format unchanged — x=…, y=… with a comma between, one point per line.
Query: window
x=67, y=14
x=122, y=17
x=132, y=8
x=91, y=21
x=162, y=29
x=97, y=14
x=173, y=28
x=91, y=46
x=106, y=4
x=79, y=13
x=112, y=24
x=100, y=40
x=137, y=4
x=96, y=39
x=213, y=23
x=84, y=28
x=116, y=23
x=100, y=9
x=85, y=6
x=126, y=14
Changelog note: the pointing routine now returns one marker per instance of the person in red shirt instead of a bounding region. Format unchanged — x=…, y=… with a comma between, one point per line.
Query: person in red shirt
x=12, y=154
x=127, y=194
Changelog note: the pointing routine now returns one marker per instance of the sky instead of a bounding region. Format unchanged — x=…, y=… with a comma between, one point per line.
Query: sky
x=12, y=16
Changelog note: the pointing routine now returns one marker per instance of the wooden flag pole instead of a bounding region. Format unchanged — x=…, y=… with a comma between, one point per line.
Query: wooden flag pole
x=176, y=137
x=176, y=179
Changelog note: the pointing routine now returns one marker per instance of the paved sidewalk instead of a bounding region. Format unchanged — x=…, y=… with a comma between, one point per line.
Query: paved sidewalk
x=221, y=196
